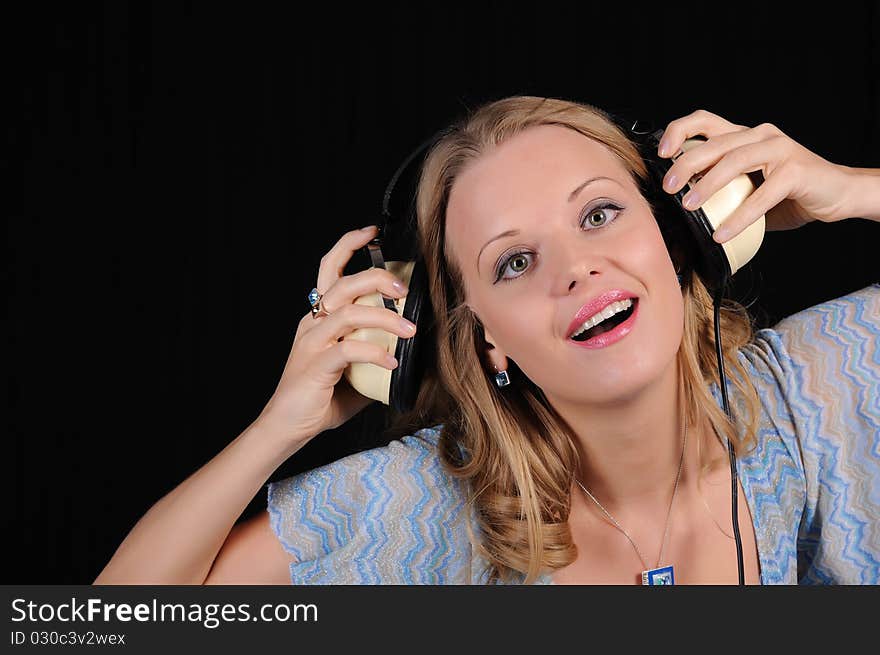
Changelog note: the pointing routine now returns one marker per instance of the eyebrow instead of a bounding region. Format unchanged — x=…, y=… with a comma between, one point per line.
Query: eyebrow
x=571, y=197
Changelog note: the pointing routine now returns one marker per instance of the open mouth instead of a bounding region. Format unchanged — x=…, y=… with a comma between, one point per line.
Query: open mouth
x=607, y=324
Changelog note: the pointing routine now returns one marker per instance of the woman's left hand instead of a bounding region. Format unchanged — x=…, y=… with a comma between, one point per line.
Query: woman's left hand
x=799, y=186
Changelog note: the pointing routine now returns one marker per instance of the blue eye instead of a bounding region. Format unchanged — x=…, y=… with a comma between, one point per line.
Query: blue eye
x=596, y=218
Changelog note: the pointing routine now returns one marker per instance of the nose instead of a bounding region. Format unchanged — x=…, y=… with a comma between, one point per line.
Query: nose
x=574, y=266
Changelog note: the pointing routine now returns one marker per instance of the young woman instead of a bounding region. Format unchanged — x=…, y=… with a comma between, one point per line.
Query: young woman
x=538, y=452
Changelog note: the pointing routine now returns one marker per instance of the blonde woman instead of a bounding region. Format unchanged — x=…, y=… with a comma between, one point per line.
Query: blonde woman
x=539, y=453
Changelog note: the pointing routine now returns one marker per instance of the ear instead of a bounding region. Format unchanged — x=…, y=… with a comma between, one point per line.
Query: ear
x=496, y=355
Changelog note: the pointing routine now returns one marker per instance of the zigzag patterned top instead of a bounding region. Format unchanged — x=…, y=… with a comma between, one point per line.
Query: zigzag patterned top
x=391, y=515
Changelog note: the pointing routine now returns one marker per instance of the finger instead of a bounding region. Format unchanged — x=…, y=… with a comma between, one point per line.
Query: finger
x=348, y=288
x=773, y=191
x=351, y=317
x=705, y=156
x=333, y=263
x=699, y=122
x=759, y=156
x=354, y=350
x=306, y=324
x=353, y=401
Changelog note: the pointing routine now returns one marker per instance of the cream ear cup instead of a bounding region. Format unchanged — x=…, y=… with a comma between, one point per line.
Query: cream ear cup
x=366, y=378
x=721, y=205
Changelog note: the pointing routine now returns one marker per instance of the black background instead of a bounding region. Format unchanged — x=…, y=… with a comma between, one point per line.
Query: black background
x=174, y=174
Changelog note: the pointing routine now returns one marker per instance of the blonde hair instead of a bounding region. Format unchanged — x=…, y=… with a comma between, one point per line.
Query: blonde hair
x=521, y=456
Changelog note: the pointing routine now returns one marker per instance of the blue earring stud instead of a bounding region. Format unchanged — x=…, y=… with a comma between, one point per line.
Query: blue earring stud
x=502, y=379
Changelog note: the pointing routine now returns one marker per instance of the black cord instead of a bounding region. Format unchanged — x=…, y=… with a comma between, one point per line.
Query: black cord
x=733, y=476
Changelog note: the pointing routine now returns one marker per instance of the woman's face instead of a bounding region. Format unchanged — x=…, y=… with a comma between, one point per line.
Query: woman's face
x=574, y=242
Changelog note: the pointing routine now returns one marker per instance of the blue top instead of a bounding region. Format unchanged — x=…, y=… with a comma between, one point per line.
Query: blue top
x=392, y=515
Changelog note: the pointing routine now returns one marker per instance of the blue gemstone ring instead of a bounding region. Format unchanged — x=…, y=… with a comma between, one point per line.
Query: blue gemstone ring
x=317, y=304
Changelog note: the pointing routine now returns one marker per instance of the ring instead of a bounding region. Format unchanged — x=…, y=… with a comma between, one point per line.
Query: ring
x=316, y=302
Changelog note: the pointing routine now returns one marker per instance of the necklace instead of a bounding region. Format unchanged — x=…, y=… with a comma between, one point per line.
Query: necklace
x=658, y=575
x=712, y=516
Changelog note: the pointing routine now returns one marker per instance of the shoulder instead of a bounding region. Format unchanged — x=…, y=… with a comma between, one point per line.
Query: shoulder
x=835, y=325
x=366, y=480
x=829, y=349
x=384, y=515
x=835, y=328
x=817, y=372
x=818, y=377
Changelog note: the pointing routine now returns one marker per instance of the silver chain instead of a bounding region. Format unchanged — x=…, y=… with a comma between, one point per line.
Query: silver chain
x=711, y=515
x=668, y=513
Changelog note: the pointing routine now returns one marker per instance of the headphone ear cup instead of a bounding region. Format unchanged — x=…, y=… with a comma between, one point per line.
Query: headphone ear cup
x=399, y=387
x=689, y=240
x=715, y=263
x=415, y=354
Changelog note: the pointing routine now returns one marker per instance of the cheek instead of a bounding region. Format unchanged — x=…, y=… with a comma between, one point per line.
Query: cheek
x=648, y=253
x=505, y=320
x=647, y=248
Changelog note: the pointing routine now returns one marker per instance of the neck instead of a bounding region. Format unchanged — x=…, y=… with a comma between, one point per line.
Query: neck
x=630, y=450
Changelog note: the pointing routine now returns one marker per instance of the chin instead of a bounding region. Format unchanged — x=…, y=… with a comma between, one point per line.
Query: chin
x=619, y=380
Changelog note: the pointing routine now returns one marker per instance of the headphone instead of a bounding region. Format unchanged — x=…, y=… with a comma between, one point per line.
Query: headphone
x=687, y=234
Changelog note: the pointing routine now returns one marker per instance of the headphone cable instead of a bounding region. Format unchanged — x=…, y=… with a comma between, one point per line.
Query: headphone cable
x=733, y=475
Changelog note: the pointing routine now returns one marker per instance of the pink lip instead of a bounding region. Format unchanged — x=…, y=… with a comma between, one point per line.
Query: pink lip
x=598, y=304
x=615, y=335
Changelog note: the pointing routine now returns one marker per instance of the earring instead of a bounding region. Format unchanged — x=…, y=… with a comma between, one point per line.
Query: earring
x=502, y=379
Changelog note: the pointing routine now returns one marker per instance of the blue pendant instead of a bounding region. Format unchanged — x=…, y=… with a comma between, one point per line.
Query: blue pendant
x=661, y=576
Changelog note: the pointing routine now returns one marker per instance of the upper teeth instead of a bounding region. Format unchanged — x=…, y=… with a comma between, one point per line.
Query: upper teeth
x=608, y=312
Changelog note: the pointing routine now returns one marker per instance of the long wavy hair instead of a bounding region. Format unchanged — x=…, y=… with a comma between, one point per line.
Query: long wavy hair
x=519, y=455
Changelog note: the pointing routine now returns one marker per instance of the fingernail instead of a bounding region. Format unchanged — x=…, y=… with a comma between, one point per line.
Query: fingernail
x=399, y=286
x=664, y=149
x=409, y=327
x=392, y=362
x=721, y=234
x=368, y=228
x=670, y=181
x=691, y=200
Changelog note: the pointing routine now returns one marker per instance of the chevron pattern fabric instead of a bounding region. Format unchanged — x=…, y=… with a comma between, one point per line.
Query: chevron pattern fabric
x=392, y=515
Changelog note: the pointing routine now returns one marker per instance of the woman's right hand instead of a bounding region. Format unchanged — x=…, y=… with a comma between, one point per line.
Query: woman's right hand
x=312, y=396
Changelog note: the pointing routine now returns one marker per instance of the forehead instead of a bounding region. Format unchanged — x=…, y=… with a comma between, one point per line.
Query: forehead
x=522, y=182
